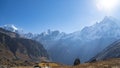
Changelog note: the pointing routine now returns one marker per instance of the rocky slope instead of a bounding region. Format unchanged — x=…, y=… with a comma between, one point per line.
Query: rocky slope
x=112, y=51
x=15, y=48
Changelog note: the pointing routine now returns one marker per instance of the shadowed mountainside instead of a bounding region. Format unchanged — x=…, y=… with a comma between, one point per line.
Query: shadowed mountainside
x=13, y=48
x=112, y=51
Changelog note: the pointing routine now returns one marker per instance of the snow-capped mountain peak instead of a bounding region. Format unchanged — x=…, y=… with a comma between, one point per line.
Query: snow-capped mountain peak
x=110, y=20
x=85, y=43
x=108, y=27
x=12, y=28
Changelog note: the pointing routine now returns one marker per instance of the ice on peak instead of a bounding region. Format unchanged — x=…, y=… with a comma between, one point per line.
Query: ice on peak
x=109, y=19
x=10, y=27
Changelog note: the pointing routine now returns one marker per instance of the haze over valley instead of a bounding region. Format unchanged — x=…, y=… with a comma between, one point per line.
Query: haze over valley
x=59, y=33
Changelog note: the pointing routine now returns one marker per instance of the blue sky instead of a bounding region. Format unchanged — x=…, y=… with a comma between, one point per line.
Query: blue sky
x=39, y=15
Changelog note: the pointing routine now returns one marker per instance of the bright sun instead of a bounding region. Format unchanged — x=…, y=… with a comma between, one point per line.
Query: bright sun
x=107, y=5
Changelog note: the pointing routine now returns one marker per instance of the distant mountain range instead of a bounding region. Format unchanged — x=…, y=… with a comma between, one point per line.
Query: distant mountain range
x=14, y=48
x=83, y=44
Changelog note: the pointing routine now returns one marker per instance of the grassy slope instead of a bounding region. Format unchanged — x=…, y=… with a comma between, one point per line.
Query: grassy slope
x=110, y=63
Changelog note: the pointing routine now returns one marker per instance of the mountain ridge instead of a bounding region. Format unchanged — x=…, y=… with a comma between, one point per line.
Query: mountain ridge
x=92, y=39
x=112, y=51
x=19, y=49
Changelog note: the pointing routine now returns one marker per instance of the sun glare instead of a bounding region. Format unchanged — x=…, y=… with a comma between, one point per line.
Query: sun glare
x=107, y=5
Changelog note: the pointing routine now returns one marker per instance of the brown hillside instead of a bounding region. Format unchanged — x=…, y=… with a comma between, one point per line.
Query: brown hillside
x=16, y=51
x=110, y=63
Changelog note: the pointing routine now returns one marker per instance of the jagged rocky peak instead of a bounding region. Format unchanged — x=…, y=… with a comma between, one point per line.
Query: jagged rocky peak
x=50, y=32
x=103, y=26
x=110, y=20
